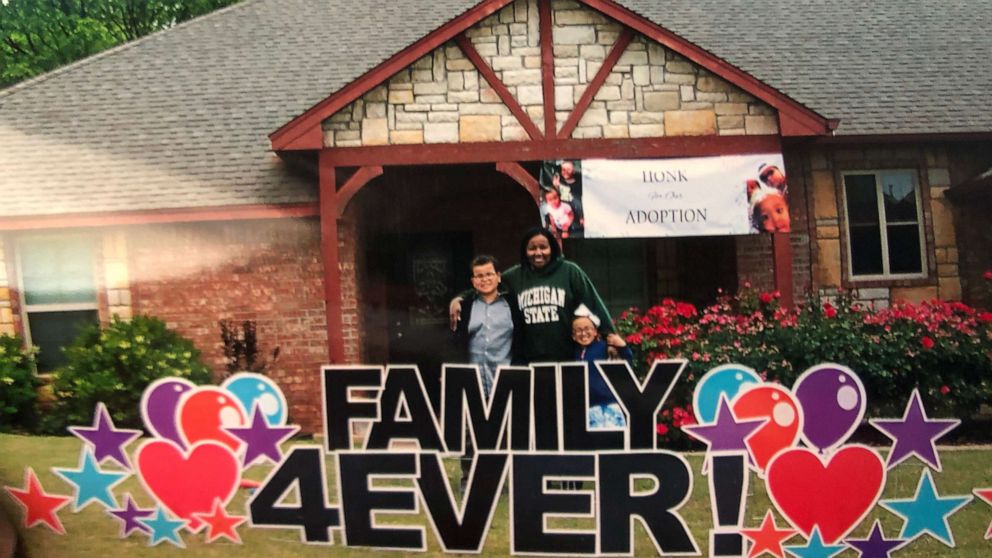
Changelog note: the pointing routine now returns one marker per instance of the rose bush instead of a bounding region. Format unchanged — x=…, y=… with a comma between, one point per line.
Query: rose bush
x=943, y=348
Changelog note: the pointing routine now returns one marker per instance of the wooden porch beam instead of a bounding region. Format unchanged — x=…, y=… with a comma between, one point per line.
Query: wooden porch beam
x=597, y=82
x=494, y=152
x=361, y=177
x=521, y=177
x=490, y=76
x=782, y=255
x=547, y=67
x=329, y=252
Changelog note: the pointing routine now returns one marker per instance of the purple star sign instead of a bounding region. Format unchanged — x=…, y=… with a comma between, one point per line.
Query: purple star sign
x=876, y=545
x=727, y=433
x=129, y=515
x=915, y=434
x=262, y=440
x=107, y=441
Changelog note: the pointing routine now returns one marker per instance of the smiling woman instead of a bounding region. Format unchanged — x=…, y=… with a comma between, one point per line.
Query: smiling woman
x=548, y=288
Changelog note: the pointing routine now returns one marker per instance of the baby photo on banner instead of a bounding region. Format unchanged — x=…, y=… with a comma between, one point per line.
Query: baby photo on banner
x=561, y=197
x=698, y=196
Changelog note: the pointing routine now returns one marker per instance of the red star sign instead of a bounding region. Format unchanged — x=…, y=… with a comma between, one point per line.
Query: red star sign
x=767, y=538
x=219, y=524
x=39, y=506
x=986, y=495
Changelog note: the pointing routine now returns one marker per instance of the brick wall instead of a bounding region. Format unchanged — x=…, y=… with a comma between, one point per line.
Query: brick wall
x=755, y=262
x=351, y=265
x=192, y=275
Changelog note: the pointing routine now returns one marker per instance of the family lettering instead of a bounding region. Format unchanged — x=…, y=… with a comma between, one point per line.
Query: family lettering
x=532, y=432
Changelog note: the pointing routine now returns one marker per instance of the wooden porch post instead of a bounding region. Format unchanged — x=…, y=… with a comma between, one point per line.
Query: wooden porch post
x=782, y=254
x=329, y=252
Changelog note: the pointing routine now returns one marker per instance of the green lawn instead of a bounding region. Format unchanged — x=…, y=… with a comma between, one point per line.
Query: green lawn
x=93, y=533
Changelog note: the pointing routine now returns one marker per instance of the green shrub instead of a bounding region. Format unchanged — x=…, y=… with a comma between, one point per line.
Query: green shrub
x=18, y=385
x=115, y=365
x=942, y=348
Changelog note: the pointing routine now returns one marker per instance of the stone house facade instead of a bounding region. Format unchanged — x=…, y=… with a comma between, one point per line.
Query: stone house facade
x=330, y=231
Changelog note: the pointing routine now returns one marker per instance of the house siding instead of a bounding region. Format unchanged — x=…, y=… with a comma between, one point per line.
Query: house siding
x=193, y=275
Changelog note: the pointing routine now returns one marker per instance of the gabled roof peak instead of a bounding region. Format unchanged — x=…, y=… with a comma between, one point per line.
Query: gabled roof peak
x=303, y=132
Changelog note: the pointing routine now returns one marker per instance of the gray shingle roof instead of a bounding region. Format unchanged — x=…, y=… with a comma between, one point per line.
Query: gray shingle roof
x=181, y=118
x=880, y=66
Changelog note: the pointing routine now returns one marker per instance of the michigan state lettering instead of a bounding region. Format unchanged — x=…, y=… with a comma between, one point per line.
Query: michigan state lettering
x=541, y=305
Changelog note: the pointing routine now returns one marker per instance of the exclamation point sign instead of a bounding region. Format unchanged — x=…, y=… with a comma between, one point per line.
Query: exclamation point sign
x=728, y=490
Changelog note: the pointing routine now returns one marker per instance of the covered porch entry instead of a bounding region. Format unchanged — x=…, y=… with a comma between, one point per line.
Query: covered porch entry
x=417, y=227
x=432, y=155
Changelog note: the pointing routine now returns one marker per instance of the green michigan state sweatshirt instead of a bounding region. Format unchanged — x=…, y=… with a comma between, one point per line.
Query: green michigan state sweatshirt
x=547, y=299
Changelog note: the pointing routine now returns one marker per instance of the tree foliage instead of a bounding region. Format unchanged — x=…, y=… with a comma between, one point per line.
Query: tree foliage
x=37, y=36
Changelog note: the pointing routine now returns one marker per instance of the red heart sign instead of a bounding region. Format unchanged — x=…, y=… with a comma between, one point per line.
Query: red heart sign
x=833, y=494
x=188, y=482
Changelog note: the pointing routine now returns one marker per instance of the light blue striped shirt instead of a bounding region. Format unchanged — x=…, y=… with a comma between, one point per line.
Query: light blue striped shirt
x=490, y=337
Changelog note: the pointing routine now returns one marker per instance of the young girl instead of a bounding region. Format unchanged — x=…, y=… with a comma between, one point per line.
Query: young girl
x=604, y=411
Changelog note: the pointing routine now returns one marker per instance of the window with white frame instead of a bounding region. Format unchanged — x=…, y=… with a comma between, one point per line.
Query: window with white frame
x=58, y=293
x=884, y=224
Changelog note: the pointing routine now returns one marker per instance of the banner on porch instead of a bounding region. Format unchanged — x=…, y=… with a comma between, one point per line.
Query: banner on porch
x=699, y=196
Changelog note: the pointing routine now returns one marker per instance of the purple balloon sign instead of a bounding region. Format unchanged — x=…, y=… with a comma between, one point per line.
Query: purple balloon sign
x=158, y=407
x=833, y=402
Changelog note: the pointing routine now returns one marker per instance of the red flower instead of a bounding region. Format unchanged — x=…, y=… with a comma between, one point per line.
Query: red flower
x=944, y=390
x=985, y=317
x=987, y=275
x=661, y=429
x=765, y=298
x=926, y=342
x=829, y=311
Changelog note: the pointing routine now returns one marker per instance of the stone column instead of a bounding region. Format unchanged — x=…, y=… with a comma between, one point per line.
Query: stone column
x=116, y=276
x=6, y=297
